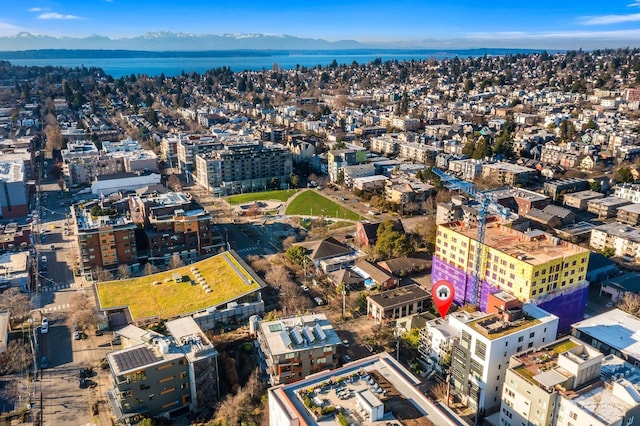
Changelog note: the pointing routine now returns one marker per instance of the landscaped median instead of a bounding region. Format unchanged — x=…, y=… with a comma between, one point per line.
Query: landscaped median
x=183, y=290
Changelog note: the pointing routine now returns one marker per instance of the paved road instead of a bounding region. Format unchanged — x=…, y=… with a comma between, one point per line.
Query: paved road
x=63, y=400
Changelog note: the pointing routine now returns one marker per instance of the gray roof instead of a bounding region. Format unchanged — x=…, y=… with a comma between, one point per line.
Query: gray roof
x=135, y=358
x=557, y=211
x=400, y=296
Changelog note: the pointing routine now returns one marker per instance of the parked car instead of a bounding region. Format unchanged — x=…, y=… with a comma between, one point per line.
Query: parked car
x=83, y=383
x=77, y=332
x=44, y=326
x=44, y=363
x=319, y=301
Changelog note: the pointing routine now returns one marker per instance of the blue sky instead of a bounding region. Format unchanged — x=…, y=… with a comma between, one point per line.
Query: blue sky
x=429, y=23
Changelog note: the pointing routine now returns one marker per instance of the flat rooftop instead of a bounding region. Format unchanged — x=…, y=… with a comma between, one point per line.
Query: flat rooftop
x=400, y=296
x=190, y=338
x=300, y=332
x=136, y=357
x=620, y=230
x=12, y=171
x=378, y=376
x=631, y=208
x=516, y=193
x=615, y=328
x=585, y=195
x=508, y=167
x=610, y=202
x=533, y=247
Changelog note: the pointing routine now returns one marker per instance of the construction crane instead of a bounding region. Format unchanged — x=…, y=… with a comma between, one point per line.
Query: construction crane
x=486, y=204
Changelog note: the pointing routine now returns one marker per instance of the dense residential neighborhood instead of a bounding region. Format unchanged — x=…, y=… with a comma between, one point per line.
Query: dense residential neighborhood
x=259, y=247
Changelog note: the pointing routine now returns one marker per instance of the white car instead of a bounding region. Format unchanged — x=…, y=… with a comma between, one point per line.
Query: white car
x=44, y=326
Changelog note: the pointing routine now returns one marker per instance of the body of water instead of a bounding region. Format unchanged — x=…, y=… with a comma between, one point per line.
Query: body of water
x=172, y=65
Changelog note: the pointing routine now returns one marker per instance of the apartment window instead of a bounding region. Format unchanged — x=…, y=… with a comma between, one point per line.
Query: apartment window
x=519, y=349
x=481, y=349
x=533, y=333
x=520, y=339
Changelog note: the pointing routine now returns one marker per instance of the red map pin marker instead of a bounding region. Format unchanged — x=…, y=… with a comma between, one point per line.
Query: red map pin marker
x=442, y=293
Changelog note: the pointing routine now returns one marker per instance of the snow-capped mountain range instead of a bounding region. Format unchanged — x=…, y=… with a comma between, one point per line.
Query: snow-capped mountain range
x=169, y=41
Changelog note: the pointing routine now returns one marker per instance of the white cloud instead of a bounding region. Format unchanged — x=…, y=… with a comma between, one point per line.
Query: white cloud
x=9, y=29
x=634, y=4
x=56, y=15
x=611, y=19
x=36, y=9
x=610, y=35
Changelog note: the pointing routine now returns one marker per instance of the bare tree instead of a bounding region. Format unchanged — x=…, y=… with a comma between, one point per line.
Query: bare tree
x=17, y=358
x=150, y=269
x=289, y=241
x=259, y=264
x=439, y=391
x=630, y=303
x=102, y=274
x=124, y=272
x=176, y=261
x=16, y=303
x=174, y=182
x=83, y=311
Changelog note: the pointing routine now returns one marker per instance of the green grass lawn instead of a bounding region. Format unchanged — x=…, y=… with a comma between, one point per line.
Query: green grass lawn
x=311, y=203
x=282, y=195
x=169, y=298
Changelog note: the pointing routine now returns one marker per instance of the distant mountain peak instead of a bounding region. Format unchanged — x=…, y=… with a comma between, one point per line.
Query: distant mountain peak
x=167, y=40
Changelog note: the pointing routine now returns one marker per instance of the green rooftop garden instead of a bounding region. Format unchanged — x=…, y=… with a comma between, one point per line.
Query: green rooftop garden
x=563, y=346
x=162, y=295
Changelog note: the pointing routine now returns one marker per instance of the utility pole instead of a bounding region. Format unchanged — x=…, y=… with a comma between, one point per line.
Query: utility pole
x=344, y=300
x=398, y=334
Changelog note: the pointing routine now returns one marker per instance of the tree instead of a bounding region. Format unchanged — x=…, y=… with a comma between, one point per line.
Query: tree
x=294, y=180
x=150, y=269
x=469, y=148
x=124, y=272
x=566, y=131
x=174, y=183
x=439, y=391
x=16, y=303
x=481, y=149
x=176, y=261
x=595, y=185
x=83, y=312
x=623, y=174
x=16, y=358
x=630, y=303
x=296, y=254
x=102, y=274
x=390, y=241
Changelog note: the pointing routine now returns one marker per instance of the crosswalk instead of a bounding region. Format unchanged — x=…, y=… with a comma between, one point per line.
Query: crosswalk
x=56, y=308
x=56, y=287
x=249, y=249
